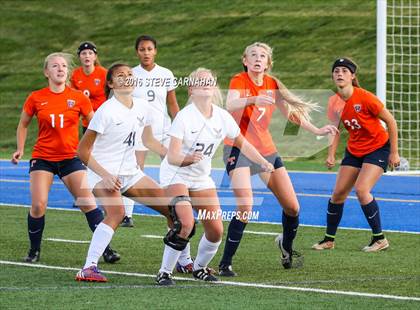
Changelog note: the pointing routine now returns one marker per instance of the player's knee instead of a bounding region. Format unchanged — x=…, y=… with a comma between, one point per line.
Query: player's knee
x=361, y=192
x=38, y=208
x=243, y=215
x=339, y=196
x=292, y=210
x=187, y=229
x=215, y=234
x=115, y=214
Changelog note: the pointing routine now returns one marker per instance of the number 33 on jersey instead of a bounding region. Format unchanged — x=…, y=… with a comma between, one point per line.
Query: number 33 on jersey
x=359, y=115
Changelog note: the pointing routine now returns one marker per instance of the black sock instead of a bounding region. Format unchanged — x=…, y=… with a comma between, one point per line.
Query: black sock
x=373, y=217
x=94, y=218
x=234, y=236
x=35, y=230
x=290, y=225
x=334, y=214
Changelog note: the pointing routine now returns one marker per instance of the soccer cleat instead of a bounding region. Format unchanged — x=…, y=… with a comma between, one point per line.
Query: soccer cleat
x=204, y=274
x=289, y=260
x=111, y=256
x=226, y=271
x=324, y=245
x=164, y=279
x=376, y=245
x=127, y=222
x=184, y=268
x=33, y=256
x=90, y=274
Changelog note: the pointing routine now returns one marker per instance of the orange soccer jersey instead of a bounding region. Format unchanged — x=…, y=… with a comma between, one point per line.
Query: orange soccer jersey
x=359, y=115
x=58, y=121
x=92, y=85
x=254, y=120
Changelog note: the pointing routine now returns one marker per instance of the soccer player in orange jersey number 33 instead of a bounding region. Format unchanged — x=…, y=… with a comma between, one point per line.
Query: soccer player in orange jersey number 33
x=370, y=149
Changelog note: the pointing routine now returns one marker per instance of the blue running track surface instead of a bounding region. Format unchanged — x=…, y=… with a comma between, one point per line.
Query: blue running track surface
x=398, y=197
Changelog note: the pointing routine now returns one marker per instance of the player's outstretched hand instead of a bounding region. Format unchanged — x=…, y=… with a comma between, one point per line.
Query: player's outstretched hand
x=264, y=99
x=196, y=157
x=267, y=166
x=112, y=183
x=394, y=160
x=327, y=130
x=330, y=162
x=16, y=157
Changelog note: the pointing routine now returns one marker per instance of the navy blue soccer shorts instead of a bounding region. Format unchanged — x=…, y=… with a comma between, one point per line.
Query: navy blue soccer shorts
x=378, y=157
x=60, y=168
x=233, y=158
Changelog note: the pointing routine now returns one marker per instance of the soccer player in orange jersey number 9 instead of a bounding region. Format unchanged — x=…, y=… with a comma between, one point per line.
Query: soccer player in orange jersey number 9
x=90, y=77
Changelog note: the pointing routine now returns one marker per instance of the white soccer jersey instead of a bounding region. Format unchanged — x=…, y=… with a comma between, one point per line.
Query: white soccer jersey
x=153, y=86
x=119, y=130
x=198, y=134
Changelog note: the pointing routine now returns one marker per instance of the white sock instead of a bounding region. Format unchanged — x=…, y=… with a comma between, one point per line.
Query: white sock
x=101, y=238
x=170, y=257
x=128, y=206
x=185, y=257
x=206, y=252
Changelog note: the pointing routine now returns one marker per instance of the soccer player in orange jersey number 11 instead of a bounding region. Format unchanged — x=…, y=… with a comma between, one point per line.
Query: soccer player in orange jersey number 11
x=58, y=109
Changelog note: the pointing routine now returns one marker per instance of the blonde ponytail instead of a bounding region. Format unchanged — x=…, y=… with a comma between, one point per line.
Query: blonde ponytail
x=298, y=109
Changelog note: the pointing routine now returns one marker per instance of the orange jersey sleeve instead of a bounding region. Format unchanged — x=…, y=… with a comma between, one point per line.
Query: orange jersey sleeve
x=335, y=109
x=92, y=85
x=254, y=120
x=360, y=118
x=58, y=118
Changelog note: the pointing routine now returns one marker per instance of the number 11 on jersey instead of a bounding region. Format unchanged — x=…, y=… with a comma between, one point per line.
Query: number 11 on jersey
x=61, y=116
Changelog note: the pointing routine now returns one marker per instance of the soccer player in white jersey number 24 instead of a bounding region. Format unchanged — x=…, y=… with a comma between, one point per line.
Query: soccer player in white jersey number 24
x=195, y=134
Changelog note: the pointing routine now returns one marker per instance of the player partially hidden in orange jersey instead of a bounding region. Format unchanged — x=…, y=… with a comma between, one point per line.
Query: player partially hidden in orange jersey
x=370, y=149
x=253, y=97
x=58, y=109
x=90, y=77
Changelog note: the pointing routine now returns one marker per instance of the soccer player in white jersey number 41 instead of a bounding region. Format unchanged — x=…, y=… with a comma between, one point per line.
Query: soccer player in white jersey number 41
x=107, y=148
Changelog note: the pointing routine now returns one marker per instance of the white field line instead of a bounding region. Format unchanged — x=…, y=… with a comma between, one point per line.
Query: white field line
x=255, y=222
x=152, y=236
x=66, y=240
x=257, y=192
x=231, y=283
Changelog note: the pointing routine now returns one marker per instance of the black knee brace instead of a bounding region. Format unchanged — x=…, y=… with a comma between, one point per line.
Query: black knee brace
x=172, y=239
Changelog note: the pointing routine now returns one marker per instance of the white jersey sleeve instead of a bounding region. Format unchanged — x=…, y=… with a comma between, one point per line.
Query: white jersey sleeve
x=232, y=129
x=177, y=129
x=99, y=121
x=172, y=85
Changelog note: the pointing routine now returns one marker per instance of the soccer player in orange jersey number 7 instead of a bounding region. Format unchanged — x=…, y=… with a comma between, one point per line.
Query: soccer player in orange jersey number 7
x=252, y=98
